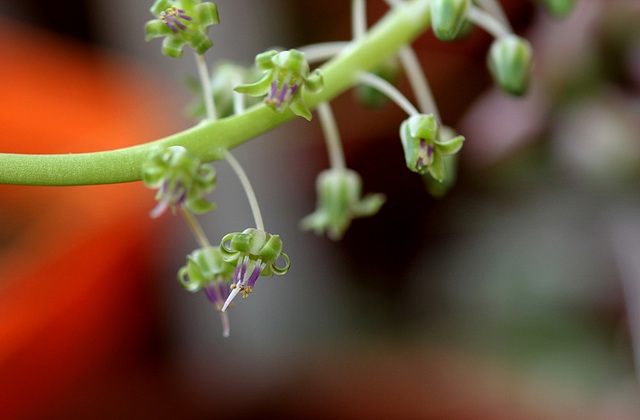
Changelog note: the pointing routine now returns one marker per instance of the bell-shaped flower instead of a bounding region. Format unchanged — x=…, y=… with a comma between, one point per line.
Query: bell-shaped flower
x=424, y=147
x=254, y=253
x=182, y=22
x=287, y=74
x=181, y=180
x=207, y=270
x=340, y=201
x=510, y=62
x=448, y=18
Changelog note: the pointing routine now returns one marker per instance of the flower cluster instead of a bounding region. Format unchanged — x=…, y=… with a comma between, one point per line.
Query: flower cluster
x=287, y=73
x=182, y=22
x=180, y=178
x=254, y=253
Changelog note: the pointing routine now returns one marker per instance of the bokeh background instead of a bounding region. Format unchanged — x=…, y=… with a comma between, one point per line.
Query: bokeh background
x=516, y=295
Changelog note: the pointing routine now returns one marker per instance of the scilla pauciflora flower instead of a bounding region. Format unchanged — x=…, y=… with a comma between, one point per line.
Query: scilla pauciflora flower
x=181, y=180
x=339, y=201
x=510, y=62
x=254, y=253
x=424, y=147
x=207, y=270
x=287, y=73
x=182, y=22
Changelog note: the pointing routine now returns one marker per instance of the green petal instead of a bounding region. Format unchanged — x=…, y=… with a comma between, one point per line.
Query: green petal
x=207, y=14
x=199, y=205
x=314, y=82
x=172, y=47
x=436, y=169
x=259, y=88
x=369, y=205
x=287, y=263
x=300, y=108
x=156, y=28
x=451, y=146
x=264, y=60
x=160, y=6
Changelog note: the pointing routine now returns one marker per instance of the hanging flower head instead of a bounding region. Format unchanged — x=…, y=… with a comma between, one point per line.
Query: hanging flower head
x=254, y=253
x=207, y=270
x=182, y=22
x=424, y=147
x=340, y=201
x=287, y=73
x=180, y=178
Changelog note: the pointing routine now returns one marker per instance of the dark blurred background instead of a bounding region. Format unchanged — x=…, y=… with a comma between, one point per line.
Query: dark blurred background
x=515, y=295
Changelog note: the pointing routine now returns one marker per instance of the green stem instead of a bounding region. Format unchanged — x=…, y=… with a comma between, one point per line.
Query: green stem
x=209, y=139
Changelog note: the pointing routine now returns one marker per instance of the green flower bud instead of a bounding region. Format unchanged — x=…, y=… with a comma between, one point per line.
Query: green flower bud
x=448, y=18
x=372, y=97
x=180, y=178
x=182, y=22
x=510, y=62
x=254, y=253
x=424, y=147
x=287, y=73
x=339, y=202
x=559, y=8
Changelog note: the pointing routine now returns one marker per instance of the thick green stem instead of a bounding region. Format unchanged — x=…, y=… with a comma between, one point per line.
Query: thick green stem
x=209, y=140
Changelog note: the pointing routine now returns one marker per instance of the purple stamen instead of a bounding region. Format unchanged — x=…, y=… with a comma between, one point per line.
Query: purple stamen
x=274, y=89
x=243, y=271
x=212, y=293
x=170, y=25
x=281, y=97
x=254, y=276
x=430, y=150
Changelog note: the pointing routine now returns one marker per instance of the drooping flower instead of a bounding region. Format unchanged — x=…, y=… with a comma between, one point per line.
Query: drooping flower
x=207, y=270
x=181, y=180
x=340, y=201
x=287, y=73
x=510, y=62
x=254, y=253
x=424, y=147
x=182, y=22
